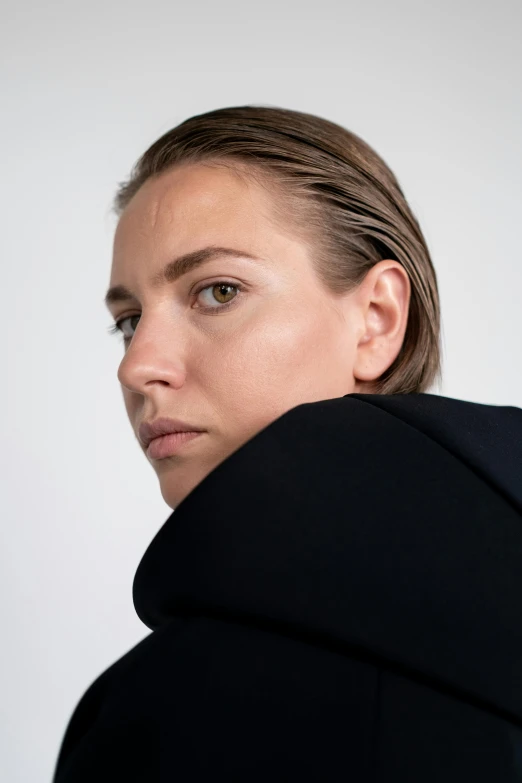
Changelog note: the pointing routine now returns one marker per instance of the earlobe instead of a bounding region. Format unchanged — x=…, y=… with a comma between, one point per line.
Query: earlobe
x=384, y=298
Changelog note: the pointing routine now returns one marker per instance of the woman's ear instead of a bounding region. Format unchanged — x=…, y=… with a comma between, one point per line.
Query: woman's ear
x=383, y=300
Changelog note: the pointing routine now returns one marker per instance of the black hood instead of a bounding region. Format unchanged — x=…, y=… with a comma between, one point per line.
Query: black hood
x=389, y=525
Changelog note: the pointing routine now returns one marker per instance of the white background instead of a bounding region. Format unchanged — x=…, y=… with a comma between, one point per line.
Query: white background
x=86, y=88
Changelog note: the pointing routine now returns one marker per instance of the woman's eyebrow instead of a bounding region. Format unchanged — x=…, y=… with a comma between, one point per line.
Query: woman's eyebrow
x=177, y=268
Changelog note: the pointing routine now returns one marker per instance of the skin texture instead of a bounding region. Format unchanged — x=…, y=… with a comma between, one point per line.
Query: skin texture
x=285, y=340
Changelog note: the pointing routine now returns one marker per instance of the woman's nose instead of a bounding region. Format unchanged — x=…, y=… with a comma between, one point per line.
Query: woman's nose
x=149, y=361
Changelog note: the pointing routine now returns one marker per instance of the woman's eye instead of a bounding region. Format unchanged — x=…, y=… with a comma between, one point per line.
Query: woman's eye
x=118, y=327
x=219, y=292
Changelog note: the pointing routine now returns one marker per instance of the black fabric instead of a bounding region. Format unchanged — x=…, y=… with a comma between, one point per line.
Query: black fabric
x=340, y=599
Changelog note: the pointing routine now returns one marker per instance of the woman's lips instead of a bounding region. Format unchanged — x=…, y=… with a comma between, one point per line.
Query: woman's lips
x=167, y=445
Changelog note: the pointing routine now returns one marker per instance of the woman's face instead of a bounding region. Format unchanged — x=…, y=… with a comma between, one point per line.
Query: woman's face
x=283, y=340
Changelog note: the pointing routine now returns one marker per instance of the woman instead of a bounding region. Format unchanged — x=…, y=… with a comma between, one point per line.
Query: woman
x=337, y=594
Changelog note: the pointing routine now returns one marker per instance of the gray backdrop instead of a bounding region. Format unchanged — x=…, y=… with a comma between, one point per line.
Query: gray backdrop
x=434, y=87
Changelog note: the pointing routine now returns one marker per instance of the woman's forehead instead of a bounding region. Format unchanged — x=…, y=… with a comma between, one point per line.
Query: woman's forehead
x=198, y=205
x=189, y=189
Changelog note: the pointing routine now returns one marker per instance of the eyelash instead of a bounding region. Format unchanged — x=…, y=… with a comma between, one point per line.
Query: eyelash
x=116, y=327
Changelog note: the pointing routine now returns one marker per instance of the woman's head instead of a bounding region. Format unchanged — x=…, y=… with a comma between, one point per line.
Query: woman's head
x=336, y=292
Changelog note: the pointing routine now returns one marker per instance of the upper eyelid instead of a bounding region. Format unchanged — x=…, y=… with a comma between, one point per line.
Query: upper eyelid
x=224, y=280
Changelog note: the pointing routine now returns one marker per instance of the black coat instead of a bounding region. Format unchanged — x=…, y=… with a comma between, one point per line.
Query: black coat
x=339, y=600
